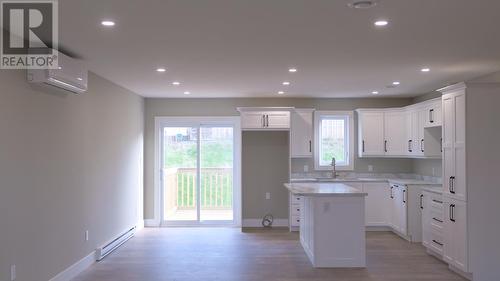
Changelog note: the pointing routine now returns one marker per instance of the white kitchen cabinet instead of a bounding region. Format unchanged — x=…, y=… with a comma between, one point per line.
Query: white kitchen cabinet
x=258, y=119
x=408, y=132
x=454, y=168
x=399, y=209
x=455, y=249
x=433, y=222
x=395, y=133
x=433, y=114
x=377, y=204
x=371, y=133
x=301, y=133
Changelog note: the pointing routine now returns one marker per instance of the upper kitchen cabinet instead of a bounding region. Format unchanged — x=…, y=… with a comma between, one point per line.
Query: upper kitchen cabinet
x=433, y=115
x=370, y=133
x=395, y=133
x=301, y=133
x=408, y=132
x=265, y=118
x=454, y=163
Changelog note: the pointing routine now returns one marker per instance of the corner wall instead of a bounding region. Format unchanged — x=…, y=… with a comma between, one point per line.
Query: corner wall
x=68, y=163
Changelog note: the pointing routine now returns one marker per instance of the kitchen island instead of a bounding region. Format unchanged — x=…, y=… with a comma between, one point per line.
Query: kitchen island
x=332, y=229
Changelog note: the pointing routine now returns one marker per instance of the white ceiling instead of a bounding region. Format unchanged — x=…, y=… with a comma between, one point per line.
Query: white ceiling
x=243, y=48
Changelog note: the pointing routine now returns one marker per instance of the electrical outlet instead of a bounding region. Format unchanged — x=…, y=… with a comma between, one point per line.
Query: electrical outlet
x=268, y=195
x=433, y=171
x=86, y=235
x=306, y=168
x=13, y=272
x=370, y=168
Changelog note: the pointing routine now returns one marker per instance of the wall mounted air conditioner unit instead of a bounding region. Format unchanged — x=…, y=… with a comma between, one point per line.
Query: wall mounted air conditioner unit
x=71, y=75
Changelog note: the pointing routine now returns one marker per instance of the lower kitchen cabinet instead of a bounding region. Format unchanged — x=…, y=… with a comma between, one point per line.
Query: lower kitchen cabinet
x=399, y=209
x=455, y=248
x=433, y=222
x=377, y=203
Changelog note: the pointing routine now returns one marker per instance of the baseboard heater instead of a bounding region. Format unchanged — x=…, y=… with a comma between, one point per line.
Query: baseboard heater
x=117, y=242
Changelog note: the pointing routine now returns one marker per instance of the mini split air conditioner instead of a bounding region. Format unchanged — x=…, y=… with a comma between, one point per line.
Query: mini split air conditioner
x=71, y=75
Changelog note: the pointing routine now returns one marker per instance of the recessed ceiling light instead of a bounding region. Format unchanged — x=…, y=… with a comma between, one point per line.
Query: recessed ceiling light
x=161, y=69
x=286, y=83
x=175, y=83
x=362, y=4
x=396, y=83
x=187, y=93
x=375, y=92
x=425, y=69
x=381, y=23
x=108, y=23
x=281, y=93
x=293, y=69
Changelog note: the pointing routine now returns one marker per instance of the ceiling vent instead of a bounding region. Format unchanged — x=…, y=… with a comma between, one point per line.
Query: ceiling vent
x=362, y=4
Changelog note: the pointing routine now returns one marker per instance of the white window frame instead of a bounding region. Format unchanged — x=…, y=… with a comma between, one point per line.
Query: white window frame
x=349, y=116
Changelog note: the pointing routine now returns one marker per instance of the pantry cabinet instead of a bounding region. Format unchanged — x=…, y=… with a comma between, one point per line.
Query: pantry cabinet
x=455, y=233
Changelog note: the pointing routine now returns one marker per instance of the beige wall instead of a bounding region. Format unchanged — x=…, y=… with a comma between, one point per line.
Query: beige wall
x=68, y=163
x=265, y=162
x=225, y=107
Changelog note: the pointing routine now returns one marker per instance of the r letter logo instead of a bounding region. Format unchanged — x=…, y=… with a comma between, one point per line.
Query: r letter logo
x=29, y=34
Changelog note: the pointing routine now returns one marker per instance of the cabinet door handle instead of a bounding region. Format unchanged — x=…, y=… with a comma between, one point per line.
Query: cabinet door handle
x=438, y=220
x=431, y=115
x=421, y=201
x=363, y=145
x=422, y=145
x=441, y=144
x=452, y=185
x=263, y=119
x=404, y=195
x=267, y=120
x=385, y=146
x=452, y=212
x=409, y=145
x=440, y=244
x=310, y=146
x=392, y=197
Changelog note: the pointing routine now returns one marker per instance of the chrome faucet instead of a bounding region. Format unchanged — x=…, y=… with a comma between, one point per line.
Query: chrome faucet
x=334, y=168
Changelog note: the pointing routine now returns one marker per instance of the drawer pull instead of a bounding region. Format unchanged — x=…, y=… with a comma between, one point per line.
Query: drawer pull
x=437, y=201
x=439, y=243
x=438, y=220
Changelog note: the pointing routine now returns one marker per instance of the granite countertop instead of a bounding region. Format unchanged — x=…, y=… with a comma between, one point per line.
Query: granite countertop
x=365, y=179
x=433, y=189
x=412, y=182
x=331, y=189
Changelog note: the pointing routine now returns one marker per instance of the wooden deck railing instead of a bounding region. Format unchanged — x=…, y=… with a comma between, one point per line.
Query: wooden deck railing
x=216, y=188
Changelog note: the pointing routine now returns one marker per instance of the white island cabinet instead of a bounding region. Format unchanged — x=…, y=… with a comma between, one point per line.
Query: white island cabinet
x=332, y=223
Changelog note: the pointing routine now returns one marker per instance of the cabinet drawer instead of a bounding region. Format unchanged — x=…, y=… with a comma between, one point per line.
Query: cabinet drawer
x=295, y=221
x=437, y=203
x=296, y=199
x=295, y=209
x=436, y=242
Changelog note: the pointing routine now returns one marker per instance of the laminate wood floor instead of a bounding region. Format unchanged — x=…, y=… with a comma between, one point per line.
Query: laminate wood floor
x=229, y=254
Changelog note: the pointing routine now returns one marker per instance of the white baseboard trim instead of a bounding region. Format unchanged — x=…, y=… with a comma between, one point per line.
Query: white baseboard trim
x=75, y=269
x=151, y=223
x=378, y=228
x=258, y=223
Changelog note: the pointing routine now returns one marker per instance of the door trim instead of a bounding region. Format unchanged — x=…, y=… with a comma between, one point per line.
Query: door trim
x=234, y=121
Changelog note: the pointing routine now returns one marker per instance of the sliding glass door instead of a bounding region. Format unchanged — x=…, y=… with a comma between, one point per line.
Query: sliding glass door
x=199, y=171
